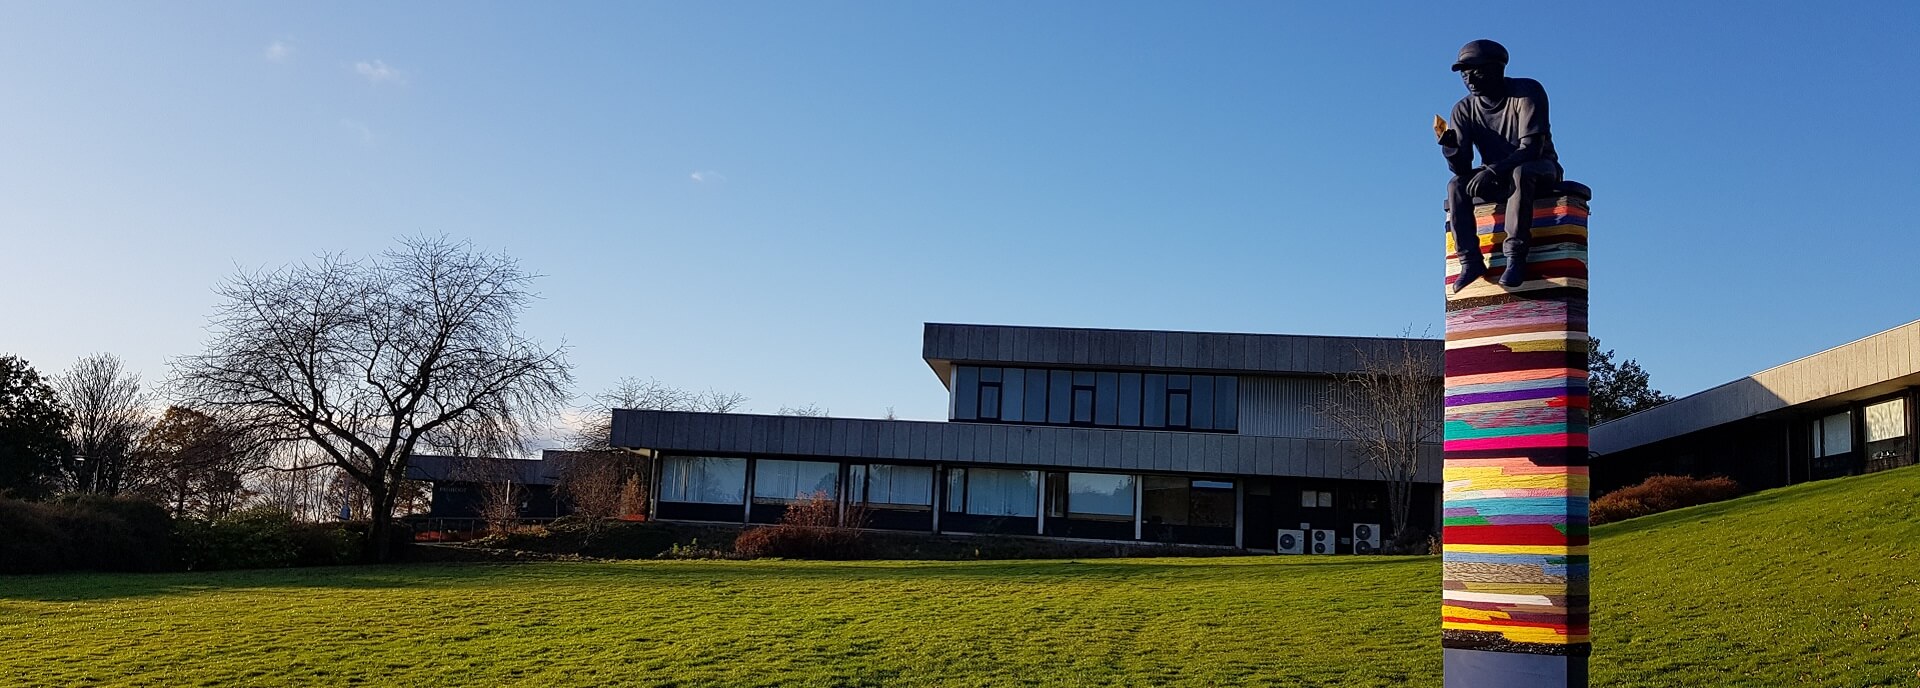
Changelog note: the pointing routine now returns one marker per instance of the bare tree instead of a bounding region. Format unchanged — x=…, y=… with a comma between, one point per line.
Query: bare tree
x=810, y=410
x=604, y=485
x=649, y=394
x=365, y=358
x=285, y=487
x=107, y=414
x=1390, y=411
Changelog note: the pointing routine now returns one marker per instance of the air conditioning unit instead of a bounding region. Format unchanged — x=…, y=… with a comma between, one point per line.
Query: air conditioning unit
x=1366, y=538
x=1291, y=541
x=1321, y=542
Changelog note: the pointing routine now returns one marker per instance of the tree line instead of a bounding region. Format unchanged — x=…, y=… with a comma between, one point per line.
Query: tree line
x=316, y=384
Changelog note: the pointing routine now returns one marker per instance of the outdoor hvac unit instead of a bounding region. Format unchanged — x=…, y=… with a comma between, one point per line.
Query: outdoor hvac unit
x=1322, y=542
x=1366, y=538
x=1291, y=541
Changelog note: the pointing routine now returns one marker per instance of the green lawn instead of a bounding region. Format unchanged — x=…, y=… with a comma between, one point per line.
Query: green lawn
x=1813, y=585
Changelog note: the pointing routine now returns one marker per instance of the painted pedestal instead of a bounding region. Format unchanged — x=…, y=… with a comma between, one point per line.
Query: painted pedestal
x=1514, y=608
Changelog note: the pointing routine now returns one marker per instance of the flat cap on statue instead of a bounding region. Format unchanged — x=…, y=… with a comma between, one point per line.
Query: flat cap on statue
x=1480, y=52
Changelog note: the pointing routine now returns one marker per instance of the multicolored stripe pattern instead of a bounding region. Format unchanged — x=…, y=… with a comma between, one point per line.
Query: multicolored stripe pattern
x=1515, y=567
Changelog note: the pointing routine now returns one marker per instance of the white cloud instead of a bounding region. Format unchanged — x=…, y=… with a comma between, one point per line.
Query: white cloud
x=278, y=51
x=707, y=176
x=379, y=72
x=359, y=129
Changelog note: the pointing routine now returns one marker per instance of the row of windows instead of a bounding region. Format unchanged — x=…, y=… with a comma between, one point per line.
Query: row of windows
x=1169, y=500
x=1173, y=500
x=1101, y=399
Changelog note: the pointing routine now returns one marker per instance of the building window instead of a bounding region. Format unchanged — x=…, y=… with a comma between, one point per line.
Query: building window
x=966, y=393
x=1155, y=409
x=787, y=481
x=1036, y=411
x=1316, y=499
x=1060, y=397
x=1194, y=502
x=703, y=480
x=1833, y=435
x=1100, y=496
x=1108, y=399
x=1887, y=445
x=892, y=487
x=956, y=490
x=995, y=492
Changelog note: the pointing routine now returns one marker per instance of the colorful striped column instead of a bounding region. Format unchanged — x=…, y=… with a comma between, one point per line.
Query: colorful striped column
x=1514, y=609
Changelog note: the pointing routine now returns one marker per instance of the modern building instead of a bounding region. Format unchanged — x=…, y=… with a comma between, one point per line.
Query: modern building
x=1844, y=411
x=459, y=484
x=1124, y=435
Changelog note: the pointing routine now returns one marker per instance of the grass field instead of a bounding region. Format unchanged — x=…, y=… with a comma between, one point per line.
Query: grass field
x=1814, y=585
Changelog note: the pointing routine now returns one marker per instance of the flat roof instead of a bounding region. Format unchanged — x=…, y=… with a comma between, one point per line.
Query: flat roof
x=947, y=344
x=1868, y=367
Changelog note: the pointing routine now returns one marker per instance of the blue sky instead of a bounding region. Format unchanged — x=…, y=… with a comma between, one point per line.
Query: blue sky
x=770, y=198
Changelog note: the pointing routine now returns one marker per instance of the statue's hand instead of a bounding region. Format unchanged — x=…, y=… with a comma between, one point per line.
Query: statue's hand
x=1484, y=180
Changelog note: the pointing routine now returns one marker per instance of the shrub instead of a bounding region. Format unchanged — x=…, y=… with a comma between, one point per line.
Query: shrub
x=1660, y=493
x=88, y=533
x=811, y=529
x=245, y=539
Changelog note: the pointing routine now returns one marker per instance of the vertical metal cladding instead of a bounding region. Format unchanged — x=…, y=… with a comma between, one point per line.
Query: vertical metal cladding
x=1515, y=492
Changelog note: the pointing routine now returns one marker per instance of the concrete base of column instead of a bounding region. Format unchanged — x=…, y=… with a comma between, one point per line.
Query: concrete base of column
x=1485, y=669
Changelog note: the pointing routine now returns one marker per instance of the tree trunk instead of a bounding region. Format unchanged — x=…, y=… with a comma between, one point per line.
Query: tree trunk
x=379, y=525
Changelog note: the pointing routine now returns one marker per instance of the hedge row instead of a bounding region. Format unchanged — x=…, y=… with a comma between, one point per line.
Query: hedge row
x=104, y=534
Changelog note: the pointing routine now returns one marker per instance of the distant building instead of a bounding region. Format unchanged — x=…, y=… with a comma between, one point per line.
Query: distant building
x=1130, y=435
x=1844, y=411
x=459, y=483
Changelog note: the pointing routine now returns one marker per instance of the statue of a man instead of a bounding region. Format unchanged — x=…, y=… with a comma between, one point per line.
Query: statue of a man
x=1505, y=118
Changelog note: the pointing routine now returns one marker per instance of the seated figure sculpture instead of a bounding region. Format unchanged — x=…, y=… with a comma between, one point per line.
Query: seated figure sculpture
x=1505, y=118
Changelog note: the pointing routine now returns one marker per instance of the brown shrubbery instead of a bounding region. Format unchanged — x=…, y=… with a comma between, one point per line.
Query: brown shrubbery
x=811, y=529
x=1660, y=493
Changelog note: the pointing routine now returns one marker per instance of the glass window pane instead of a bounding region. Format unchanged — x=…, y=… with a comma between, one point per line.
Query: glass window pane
x=1012, y=394
x=1201, y=417
x=1180, y=382
x=1129, y=400
x=989, y=402
x=1309, y=498
x=1106, y=399
x=1176, y=409
x=856, y=482
x=782, y=480
x=1154, y=400
x=1082, y=405
x=966, y=392
x=703, y=480
x=899, y=486
x=989, y=374
x=1100, y=495
x=1163, y=500
x=994, y=492
x=1083, y=378
x=1886, y=420
x=1226, y=403
x=1211, y=504
x=1060, y=397
x=956, y=489
x=1036, y=396
x=1837, y=433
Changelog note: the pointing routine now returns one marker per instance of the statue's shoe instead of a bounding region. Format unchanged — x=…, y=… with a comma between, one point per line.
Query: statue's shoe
x=1469, y=273
x=1515, y=273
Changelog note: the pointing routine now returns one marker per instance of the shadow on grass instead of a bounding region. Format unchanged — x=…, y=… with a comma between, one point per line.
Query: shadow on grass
x=82, y=587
